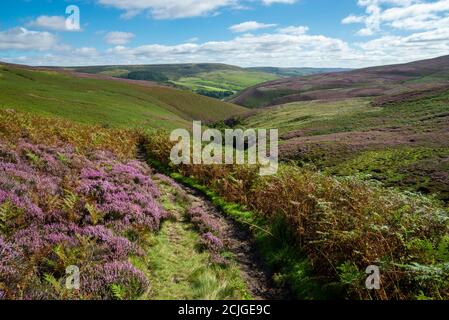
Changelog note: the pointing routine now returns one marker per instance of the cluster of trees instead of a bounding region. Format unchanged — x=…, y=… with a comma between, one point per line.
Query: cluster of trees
x=147, y=76
x=214, y=94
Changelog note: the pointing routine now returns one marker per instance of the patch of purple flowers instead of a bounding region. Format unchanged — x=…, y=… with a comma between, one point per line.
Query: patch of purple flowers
x=203, y=221
x=99, y=280
x=210, y=231
x=37, y=217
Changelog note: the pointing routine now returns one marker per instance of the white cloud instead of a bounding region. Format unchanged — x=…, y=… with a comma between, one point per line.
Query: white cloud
x=295, y=30
x=285, y=47
x=275, y=48
x=56, y=23
x=24, y=39
x=401, y=14
x=119, y=38
x=175, y=9
x=270, y=2
x=169, y=9
x=250, y=26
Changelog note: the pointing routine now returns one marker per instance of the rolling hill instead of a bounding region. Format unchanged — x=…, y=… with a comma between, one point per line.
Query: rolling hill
x=297, y=72
x=113, y=102
x=369, y=82
x=401, y=140
x=209, y=79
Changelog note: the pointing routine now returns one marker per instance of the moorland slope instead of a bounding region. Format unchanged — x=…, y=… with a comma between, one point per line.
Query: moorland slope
x=112, y=102
x=369, y=82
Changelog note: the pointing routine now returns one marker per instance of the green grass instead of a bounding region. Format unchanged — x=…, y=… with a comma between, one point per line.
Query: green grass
x=224, y=80
x=105, y=102
x=209, y=79
x=317, y=116
x=410, y=168
x=178, y=269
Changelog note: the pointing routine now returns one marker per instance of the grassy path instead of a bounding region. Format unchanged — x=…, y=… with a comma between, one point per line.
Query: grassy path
x=176, y=265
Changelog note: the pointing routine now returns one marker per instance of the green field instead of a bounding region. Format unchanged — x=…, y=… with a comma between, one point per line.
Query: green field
x=315, y=116
x=208, y=79
x=226, y=82
x=110, y=102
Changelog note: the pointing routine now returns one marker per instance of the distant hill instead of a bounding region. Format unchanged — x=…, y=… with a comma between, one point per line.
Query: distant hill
x=369, y=82
x=209, y=79
x=296, y=72
x=101, y=99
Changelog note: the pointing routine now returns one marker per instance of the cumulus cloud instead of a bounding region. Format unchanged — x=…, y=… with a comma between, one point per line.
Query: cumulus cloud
x=415, y=29
x=56, y=23
x=250, y=26
x=24, y=39
x=297, y=30
x=119, y=38
x=175, y=9
x=400, y=14
x=270, y=2
x=169, y=9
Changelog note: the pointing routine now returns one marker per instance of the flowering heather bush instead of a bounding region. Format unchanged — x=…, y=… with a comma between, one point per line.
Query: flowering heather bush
x=212, y=243
x=59, y=207
x=210, y=232
x=124, y=193
x=203, y=221
x=114, y=280
x=215, y=246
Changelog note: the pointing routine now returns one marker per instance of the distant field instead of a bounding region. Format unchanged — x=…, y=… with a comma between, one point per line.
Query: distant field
x=226, y=82
x=401, y=143
x=109, y=102
x=210, y=79
x=313, y=116
x=213, y=80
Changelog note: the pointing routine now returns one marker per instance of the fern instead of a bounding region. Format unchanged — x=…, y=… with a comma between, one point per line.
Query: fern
x=4, y=211
x=443, y=249
x=70, y=200
x=118, y=292
x=55, y=284
x=61, y=254
x=8, y=215
x=34, y=159
x=95, y=214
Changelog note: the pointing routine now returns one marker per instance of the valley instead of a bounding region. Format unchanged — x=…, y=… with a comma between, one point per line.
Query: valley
x=86, y=177
x=214, y=80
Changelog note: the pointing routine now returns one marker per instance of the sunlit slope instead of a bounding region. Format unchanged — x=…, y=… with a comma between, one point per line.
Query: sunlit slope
x=108, y=102
x=401, y=140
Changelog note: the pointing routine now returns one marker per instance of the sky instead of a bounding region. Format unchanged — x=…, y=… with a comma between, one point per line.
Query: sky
x=279, y=33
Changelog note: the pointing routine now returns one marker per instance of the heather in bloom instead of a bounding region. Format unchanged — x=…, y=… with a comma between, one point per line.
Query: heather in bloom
x=212, y=243
x=210, y=232
x=61, y=208
x=113, y=280
x=203, y=221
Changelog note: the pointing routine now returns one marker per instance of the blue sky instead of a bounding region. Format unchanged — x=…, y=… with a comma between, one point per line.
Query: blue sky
x=285, y=33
